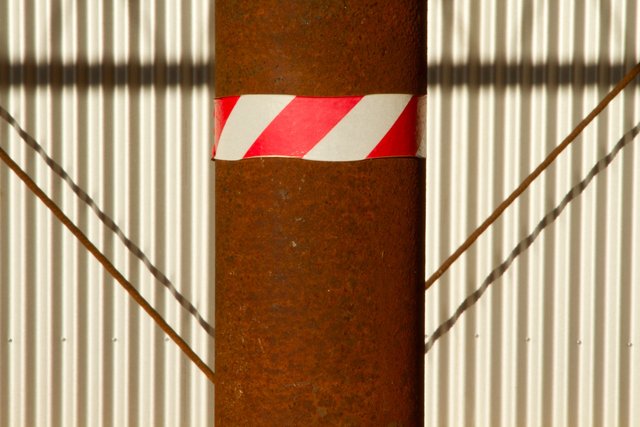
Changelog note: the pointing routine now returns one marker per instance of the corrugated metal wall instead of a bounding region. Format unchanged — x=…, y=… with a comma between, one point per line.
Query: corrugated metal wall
x=556, y=341
x=120, y=94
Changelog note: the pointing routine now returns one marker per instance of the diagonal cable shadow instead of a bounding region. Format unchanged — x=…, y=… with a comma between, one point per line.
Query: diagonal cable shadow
x=107, y=221
x=525, y=243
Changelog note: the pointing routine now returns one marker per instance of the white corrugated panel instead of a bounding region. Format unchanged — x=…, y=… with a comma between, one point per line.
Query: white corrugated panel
x=135, y=135
x=554, y=341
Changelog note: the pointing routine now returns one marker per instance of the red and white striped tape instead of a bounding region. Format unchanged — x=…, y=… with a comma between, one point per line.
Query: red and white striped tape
x=314, y=128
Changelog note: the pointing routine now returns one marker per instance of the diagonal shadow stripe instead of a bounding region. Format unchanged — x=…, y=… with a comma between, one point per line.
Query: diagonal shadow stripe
x=525, y=243
x=107, y=221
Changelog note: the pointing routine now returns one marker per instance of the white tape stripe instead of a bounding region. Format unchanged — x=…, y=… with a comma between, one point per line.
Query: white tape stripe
x=361, y=129
x=250, y=117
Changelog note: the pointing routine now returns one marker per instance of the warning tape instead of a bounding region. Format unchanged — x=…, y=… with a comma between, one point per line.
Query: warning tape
x=319, y=128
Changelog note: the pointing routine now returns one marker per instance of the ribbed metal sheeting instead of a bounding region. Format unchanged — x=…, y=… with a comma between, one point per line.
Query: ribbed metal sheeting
x=556, y=341
x=120, y=95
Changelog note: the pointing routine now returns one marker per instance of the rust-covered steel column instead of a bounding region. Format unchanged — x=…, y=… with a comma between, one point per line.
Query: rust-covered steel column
x=319, y=264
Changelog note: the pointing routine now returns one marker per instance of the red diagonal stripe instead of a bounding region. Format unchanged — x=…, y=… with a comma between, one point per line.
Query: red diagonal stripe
x=401, y=138
x=301, y=125
x=222, y=111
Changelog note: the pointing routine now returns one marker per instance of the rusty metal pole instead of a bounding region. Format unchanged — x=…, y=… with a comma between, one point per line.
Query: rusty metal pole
x=319, y=265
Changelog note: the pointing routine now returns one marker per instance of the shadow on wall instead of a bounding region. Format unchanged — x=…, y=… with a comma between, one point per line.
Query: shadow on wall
x=443, y=74
x=525, y=243
x=106, y=74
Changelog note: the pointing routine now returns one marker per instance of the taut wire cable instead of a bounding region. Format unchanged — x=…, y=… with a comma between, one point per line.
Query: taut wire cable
x=525, y=243
x=107, y=221
x=628, y=78
x=138, y=298
x=133, y=292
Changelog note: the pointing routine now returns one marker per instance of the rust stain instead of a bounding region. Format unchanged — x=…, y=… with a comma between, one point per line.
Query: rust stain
x=320, y=47
x=319, y=265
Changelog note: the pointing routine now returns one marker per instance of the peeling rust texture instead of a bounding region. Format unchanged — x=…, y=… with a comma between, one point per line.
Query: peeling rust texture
x=320, y=47
x=319, y=265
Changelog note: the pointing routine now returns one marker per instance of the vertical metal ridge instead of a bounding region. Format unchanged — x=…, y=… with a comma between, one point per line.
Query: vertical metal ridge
x=634, y=340
x=575, y=275
x=629, y=285
x=185, y=135
x=6, y=318
x=208, y=179
x=159, y=385
x=7, y=321
x=469, y=381
x=109, y=341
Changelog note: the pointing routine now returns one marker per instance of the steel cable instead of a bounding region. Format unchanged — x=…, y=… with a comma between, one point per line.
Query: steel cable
x=107, y=221
x=628, y=78
x=102, y=259
x=525, y=243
